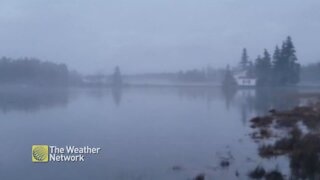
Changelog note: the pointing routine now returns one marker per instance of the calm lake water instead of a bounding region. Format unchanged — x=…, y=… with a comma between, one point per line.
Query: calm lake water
x=143, y=132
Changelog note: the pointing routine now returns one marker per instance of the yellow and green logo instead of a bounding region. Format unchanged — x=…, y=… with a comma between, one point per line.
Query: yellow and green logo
x=40, y=153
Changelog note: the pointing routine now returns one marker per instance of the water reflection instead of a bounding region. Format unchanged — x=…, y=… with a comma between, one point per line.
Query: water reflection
x=113, y=94
x=207, y=94
x=248, y=101
x=228, y=94
x=259, y=101
x=116, y=95
x=184, y=126
x=31, y=99
x=275, y=98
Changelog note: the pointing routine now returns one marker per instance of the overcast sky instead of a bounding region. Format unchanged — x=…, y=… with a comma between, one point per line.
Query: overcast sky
x=155, y=35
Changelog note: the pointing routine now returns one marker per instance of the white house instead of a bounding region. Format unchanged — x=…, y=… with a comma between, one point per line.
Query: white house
x=244, y=81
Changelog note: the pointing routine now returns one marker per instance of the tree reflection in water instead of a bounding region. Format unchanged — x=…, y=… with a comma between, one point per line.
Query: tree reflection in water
x=32, y=99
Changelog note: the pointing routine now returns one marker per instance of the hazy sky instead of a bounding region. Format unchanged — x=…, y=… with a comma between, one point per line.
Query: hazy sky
x=155, y=35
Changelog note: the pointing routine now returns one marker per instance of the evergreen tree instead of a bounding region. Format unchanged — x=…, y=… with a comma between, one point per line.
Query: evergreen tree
x=263, y=69
x=229, y=81
x=286, y=70
x=277, y=67
x=289, y=54
x=244, y=60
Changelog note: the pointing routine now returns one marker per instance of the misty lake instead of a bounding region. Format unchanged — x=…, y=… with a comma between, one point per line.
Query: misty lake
x=144, y=132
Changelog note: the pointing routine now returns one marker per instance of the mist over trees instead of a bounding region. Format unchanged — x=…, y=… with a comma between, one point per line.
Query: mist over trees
x=229, y=81
x=207, y=74
x=281, y=69
x=286, y=68
x=193, y=75
x=246, y=65
x=31, y=71
x=311, y=73
x=264, y=69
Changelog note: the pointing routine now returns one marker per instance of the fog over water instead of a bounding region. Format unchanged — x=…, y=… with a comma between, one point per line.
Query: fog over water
x=168, y=89
x=154, y=36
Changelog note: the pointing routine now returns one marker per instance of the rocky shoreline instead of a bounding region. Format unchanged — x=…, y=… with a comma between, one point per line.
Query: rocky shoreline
x=293, y=133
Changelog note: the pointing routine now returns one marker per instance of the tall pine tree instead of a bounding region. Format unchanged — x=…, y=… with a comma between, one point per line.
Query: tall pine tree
x=289, y=54
x=286, y=70
x=244, y=63
x=263, y=69
x=276, y=62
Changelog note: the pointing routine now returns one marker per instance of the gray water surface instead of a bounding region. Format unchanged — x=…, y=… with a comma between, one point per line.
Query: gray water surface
x=143, y=132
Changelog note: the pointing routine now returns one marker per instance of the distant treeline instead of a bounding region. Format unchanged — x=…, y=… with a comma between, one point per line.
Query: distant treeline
x=205, y=74
x=200, y=75
x=311, y=73
x=31, y=71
